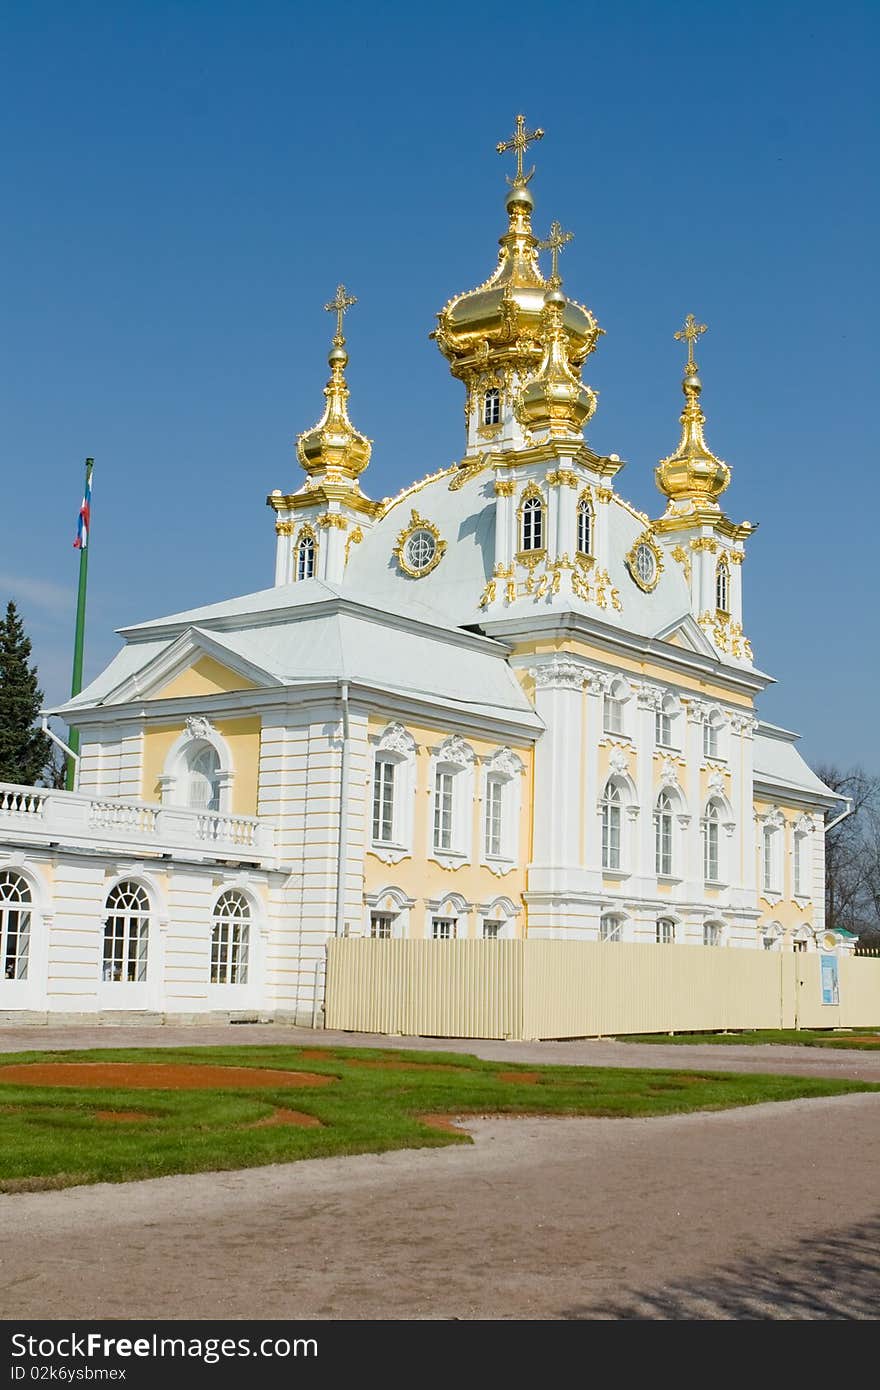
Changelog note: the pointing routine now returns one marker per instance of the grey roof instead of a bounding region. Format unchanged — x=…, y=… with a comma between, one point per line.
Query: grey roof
x=777, y=761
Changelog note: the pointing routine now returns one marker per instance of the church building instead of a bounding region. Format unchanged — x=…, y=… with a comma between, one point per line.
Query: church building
x=502, y=703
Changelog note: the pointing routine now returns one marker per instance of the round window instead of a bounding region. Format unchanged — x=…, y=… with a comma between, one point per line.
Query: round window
x=421, y=547
x=646, y=564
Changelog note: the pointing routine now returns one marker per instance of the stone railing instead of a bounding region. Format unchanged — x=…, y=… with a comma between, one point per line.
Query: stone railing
x=70, y=818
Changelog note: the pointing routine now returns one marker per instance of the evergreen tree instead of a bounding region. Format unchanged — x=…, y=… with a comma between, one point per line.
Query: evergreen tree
x=24, y=749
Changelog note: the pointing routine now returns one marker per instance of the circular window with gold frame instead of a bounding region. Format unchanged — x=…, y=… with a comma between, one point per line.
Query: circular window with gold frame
x=419, y=547
x=645, y=562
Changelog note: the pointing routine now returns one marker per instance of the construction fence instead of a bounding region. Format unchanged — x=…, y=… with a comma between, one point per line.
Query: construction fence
x=576, y=989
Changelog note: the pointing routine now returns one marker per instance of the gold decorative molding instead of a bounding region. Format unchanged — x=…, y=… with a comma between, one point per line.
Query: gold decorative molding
x=465, y=471
x=705, y=543
x=328, y=519
x=726, y=634
x=680, y=554
x=562, y=477
x=505, y=487
x=354, y=538
x=284, y=528
x=645, y=541
x=604, y=494
x=416, y=524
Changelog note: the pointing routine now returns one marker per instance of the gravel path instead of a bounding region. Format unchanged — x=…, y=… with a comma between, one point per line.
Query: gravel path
x=590, y=1052
x=766, y=1212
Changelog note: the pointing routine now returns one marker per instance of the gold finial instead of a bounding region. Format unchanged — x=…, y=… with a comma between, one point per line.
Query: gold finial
x=519, y=143
x=554, y=244
x=691, y=332
x=340, y=306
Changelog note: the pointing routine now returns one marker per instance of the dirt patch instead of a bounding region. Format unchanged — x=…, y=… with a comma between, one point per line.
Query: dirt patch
x=123, y=1116
x=43, y=1184
x=523, y=1078
x=445, y=1122
x=318, y=1054
x=852, y=1038
x=287, y=1117
x=155, y=1076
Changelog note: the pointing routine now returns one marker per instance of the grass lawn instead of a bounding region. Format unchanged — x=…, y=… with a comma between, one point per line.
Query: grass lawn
x=865, y=1039
x=55, y=1136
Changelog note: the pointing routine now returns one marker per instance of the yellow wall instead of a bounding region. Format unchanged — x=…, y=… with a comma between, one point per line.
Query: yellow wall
x=420, y=877
x=243, y=738
x=205, y=677
x=707, y=690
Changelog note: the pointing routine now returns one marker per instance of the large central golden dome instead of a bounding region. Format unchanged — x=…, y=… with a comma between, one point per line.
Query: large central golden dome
x=499, y=323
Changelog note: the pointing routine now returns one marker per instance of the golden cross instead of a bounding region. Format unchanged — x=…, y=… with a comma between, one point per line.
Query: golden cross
x=554, y=244
x=339, y=306
x=691, y=331
x=519, y=143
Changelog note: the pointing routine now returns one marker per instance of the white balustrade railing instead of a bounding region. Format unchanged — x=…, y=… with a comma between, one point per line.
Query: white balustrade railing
x=21, y=801
x=73, y=815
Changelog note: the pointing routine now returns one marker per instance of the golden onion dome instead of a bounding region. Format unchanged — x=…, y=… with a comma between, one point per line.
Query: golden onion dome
x=333, y=450
x=500, y=320
x=555, y=401
x=692, y=473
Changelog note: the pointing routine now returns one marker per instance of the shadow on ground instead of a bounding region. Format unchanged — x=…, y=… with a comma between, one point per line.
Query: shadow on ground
x=833, y=1277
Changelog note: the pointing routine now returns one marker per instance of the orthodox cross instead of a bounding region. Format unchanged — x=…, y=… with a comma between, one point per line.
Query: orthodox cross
x=519, y=143
x=554, y=244
x=340, y=306
x=691, y=332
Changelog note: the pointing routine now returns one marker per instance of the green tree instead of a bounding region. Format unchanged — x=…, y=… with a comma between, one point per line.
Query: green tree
x=24, y=749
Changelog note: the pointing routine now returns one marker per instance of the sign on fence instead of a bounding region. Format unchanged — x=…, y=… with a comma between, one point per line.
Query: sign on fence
x=830, y=980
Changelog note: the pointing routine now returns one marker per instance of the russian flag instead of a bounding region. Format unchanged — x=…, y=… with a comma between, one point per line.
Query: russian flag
x=82, y=525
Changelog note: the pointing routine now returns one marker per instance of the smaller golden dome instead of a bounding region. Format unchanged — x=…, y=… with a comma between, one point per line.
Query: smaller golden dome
x=692, y=473
x=555, y=401
x=333, y=450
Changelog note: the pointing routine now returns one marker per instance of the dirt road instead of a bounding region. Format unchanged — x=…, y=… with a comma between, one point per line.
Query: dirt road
x=768, y=1212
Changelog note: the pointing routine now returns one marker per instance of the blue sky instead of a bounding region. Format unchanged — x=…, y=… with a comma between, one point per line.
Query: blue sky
x=187, y=183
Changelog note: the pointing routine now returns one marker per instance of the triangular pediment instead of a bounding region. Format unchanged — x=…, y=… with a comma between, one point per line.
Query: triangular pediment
x=195, y=665
x=686, y=632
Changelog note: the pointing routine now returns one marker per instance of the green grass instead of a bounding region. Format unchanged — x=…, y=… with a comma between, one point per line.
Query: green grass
x=50, y=1136
x=802, y=1037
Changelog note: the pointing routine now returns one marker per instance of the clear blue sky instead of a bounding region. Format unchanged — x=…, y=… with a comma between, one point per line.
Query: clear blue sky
x=186, y=183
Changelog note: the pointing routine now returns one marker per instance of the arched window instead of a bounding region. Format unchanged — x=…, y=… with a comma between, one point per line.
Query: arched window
x=203, y=768
x=663, y=835
x=722, y=586
x=611, y=928
x=611, y=806
x=230, y=939
x=126, y=934
x=665, y=931
x=585, y=527
x=710, y=843
x=533, y=524
x=492, y=406
x=15, y=925
x=305, y=557
x=711, y=934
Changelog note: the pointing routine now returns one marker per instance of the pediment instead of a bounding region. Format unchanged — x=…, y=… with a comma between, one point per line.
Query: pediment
x=686, y=632
x=195, y=665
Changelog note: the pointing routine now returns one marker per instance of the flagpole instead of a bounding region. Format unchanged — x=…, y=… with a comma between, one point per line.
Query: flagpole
x=78, y=641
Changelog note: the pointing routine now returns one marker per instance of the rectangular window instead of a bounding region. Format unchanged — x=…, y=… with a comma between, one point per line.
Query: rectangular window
x=663, y=844
x=710, y=851
x=799, y=945
x=613, y=716
x=15, y=927
x=799, y=876
x=491, y=931
x=665, y=932
x=663, y=729
x=443, y=791
x=710, y=741
x=494, y=797
x=380, y=926
x=769, y=876
x=611, y=837
x=443, y=928
x=383, y=801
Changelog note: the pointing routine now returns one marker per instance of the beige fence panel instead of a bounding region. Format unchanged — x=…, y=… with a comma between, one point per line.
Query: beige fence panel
x=570, y=989
x=589, y=988
x=447, y=989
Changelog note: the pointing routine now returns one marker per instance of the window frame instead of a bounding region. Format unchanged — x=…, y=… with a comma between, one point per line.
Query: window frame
x=664, y=855
x=133, y=957
x=231, y=942
x=15, y=958
x=612, y=826
x=665, y=931
x=306, y=546
x=585, y=522
x=492, y=406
